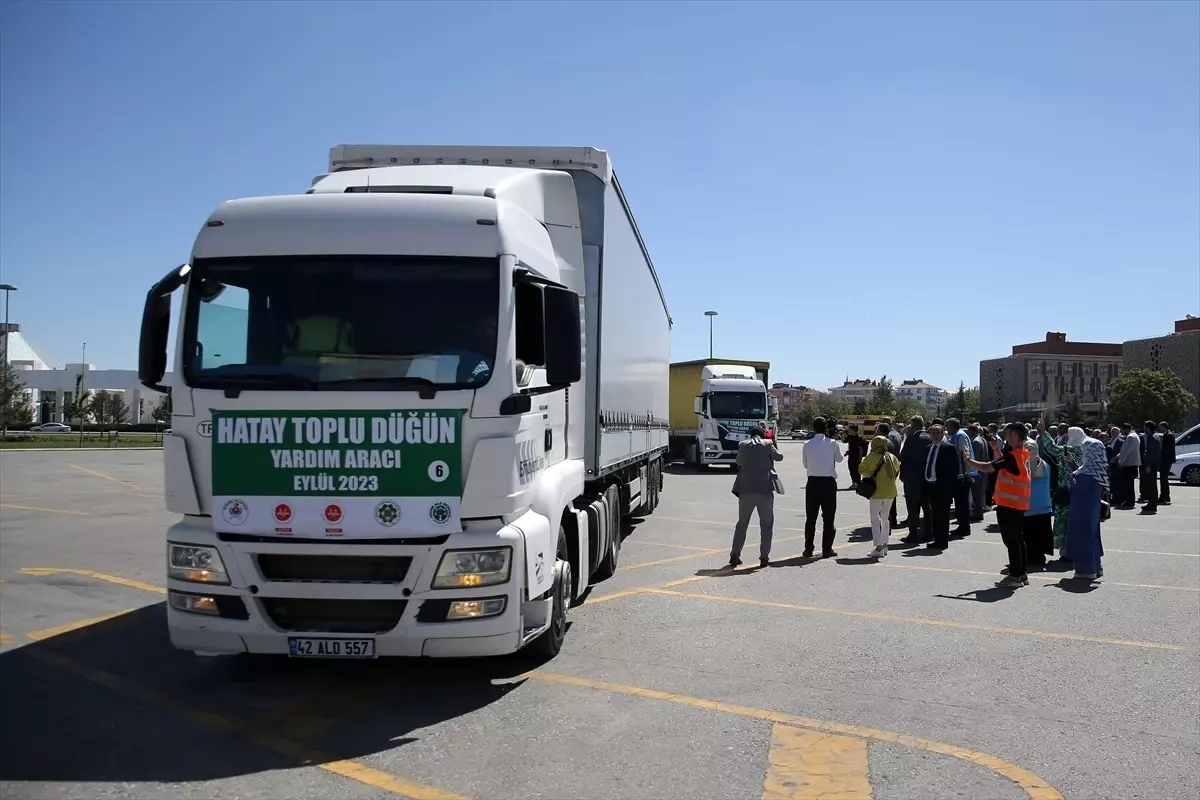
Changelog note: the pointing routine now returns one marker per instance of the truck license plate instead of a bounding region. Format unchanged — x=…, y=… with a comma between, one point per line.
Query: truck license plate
x=330, y=648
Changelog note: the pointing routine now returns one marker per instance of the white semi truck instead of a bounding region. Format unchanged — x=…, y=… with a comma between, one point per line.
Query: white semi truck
x=410, y=406
x=714, y=405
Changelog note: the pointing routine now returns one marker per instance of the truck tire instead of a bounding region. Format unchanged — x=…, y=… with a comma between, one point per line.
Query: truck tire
x=608, y=564
x=550, y=642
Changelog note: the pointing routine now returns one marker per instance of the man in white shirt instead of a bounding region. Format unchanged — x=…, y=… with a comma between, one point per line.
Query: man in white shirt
x=821, y=455
x=1130, y=462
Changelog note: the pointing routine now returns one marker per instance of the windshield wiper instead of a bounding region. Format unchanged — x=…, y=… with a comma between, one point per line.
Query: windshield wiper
x=427, y=389
x=236, y=384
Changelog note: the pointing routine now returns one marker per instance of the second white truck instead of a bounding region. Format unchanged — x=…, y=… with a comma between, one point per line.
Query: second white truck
x=411, y=406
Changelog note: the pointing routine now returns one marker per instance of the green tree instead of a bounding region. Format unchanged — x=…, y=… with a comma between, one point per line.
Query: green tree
x=860, y=407
x=81, y=403
x=15, y=410
x=907, y=408
x=963, y=404
x=884, y=399
x=1145, y=394
x=162, y=411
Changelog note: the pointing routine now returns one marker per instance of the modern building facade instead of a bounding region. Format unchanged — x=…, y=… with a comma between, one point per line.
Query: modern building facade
x=1043, y=377
x=50, y=390
x=925, y=393
x=1178, y=352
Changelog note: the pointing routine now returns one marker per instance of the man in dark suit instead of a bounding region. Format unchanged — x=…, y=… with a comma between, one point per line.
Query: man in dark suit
x=1164, y=465
x=912, y=464
x=940, y=472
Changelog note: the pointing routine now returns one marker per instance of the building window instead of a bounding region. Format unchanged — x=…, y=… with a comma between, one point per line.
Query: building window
x=1037, y=386
x=1087, y=369
x=1035, y=368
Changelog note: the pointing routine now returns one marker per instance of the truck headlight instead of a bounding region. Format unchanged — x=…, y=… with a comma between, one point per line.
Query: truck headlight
x=711, y=446
x=460, y=569
x=195, y=563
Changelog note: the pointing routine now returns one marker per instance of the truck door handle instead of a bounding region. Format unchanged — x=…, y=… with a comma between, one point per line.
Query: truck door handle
x=549, y=440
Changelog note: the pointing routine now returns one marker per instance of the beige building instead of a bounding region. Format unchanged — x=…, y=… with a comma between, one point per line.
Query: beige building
x=1043, y=377
x=860, y=389
x=927, y=394
x=1178, y=352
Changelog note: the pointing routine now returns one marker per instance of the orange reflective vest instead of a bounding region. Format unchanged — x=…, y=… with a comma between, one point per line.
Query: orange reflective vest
x=1012, y=491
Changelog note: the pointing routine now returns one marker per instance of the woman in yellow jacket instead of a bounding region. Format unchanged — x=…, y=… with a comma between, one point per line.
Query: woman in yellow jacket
x=881, y=468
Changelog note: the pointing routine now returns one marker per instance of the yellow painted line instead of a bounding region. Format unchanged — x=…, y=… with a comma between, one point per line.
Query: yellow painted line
x=614, y=596
x=98, y=576
x=46, y=510
x=937, y=623
x=1043, y=577
x=812, y=765
x=58, y=630
x=1106, y=549
x=6, y=638
x=1033, y=786
x=635, y=540
x=348, y=769
x=119, y=481
x=704, y=553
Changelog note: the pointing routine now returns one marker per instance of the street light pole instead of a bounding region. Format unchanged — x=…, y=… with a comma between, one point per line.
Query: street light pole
x=79, y=395
x=710, y=315
x=8, y=289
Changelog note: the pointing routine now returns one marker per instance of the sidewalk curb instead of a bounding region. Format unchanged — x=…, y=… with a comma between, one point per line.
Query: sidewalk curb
x=75, y=449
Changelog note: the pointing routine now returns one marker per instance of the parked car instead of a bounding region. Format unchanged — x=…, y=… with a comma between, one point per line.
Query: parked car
x=51, y=427
x=1187, y=469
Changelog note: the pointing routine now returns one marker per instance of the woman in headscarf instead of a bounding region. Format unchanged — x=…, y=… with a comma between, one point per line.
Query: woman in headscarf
x=881, y=468
x=1089, y=478
x=1060, y=491
x=1038, y=526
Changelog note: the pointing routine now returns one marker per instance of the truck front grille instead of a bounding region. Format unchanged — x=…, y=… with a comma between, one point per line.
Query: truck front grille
x=333, y=569
x=312, y=615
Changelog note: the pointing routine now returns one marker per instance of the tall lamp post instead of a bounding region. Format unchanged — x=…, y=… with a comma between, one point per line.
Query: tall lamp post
x=8, y=289
x=710, y=315
x=79, y=394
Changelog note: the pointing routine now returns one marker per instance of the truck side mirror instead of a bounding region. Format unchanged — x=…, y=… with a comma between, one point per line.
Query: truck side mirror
x=156, y=325
x=564, y=351
x=698, y=404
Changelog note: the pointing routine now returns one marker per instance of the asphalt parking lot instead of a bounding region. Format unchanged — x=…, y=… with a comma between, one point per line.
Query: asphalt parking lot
x=911, y=678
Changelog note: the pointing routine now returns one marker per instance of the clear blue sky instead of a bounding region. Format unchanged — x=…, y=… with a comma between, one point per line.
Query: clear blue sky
x=829, y=177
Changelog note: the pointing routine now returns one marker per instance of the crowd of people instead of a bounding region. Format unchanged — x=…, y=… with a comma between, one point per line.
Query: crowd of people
x=1050, y=486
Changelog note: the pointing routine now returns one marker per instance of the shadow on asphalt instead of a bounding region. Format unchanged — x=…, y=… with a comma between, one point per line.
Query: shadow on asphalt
x=115, y=703
x=716, y=470
x=990, y=595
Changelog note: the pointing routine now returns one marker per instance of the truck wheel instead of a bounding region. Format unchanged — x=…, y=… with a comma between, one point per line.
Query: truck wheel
x=551, y=640
x=608, y=564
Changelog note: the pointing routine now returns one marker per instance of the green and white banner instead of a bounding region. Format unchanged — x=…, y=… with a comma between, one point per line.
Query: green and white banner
x=337, y=474
x=739, y=428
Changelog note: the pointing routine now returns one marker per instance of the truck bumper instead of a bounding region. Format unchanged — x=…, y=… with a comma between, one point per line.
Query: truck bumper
x=273, y=595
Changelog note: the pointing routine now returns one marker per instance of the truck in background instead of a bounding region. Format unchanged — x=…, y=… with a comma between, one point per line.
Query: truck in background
x=411, y=406
x=714, y=403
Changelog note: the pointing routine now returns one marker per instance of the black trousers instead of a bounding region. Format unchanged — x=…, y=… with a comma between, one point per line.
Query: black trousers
x=1129, y=476
x=1164, y=485
x=991, y=488
x=939, y=512
x=820, y=496
x=855, y=475
x=1150, y=488
x=962, y=505
x=916, y=501
x=1012, y=524
x=1038, y=533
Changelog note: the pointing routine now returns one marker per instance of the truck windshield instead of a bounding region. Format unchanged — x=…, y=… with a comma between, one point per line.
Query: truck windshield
x=738, y=405
x=341, y=322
